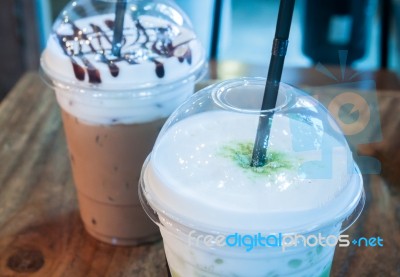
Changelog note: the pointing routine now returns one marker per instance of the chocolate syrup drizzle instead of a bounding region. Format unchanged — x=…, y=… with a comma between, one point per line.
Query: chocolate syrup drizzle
x=156, y=41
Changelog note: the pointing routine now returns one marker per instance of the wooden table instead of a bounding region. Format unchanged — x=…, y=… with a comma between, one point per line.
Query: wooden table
x=384, y=79
x=41, y=233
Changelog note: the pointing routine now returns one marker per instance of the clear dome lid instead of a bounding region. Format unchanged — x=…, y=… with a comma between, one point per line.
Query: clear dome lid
x=157, y=46
x=199, y=172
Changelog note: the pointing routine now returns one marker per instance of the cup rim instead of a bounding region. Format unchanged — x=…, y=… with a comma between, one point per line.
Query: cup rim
x=220, y=91
x=346, y=218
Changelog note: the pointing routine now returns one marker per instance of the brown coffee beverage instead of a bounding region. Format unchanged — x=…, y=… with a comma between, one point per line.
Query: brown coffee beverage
x=116, y=79
x=106, y=162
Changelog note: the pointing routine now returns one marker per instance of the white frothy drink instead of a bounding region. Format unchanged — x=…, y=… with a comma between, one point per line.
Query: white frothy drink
x=199, y=180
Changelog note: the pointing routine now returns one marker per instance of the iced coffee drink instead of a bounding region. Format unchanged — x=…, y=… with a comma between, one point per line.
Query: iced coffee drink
x=114, y=106
x=219, y=216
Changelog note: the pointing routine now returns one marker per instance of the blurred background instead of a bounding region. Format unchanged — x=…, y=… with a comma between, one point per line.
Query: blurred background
x=234, y=31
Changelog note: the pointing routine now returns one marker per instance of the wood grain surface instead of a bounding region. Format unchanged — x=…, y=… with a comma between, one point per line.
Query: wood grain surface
x=41, y=233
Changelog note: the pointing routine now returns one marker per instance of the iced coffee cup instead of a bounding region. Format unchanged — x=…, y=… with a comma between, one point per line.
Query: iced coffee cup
x=114, y=106
x=219, y=216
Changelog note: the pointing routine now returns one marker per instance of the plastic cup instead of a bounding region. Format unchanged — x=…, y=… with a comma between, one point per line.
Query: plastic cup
x=113, y=107
x=219, y=216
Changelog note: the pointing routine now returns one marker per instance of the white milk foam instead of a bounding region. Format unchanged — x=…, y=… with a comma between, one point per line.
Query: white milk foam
x=122, y=99
x=125, y=110
x=188, y=178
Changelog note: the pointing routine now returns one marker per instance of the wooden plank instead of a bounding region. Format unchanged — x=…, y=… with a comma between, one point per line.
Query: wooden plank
x=384, y=79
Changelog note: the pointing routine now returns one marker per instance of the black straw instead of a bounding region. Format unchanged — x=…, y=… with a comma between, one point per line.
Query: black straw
x=279, y=48
x=118, y=27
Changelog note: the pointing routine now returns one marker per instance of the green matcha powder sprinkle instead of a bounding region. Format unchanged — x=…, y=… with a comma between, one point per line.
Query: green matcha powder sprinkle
x=241, y=153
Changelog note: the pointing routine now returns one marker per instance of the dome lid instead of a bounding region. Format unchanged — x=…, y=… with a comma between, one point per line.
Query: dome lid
x=158, y=45
x=200, y=172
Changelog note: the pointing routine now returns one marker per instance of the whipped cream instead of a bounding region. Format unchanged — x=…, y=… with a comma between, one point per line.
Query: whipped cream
x=154, y=52
x=156, y=72
x=190, y=179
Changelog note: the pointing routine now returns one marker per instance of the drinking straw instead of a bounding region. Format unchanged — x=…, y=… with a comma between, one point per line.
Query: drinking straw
x=118, y=27
x=279, y=48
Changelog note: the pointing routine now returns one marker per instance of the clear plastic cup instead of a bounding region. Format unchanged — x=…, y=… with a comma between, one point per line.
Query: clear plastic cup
x=219, y=216
x=114, y=106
